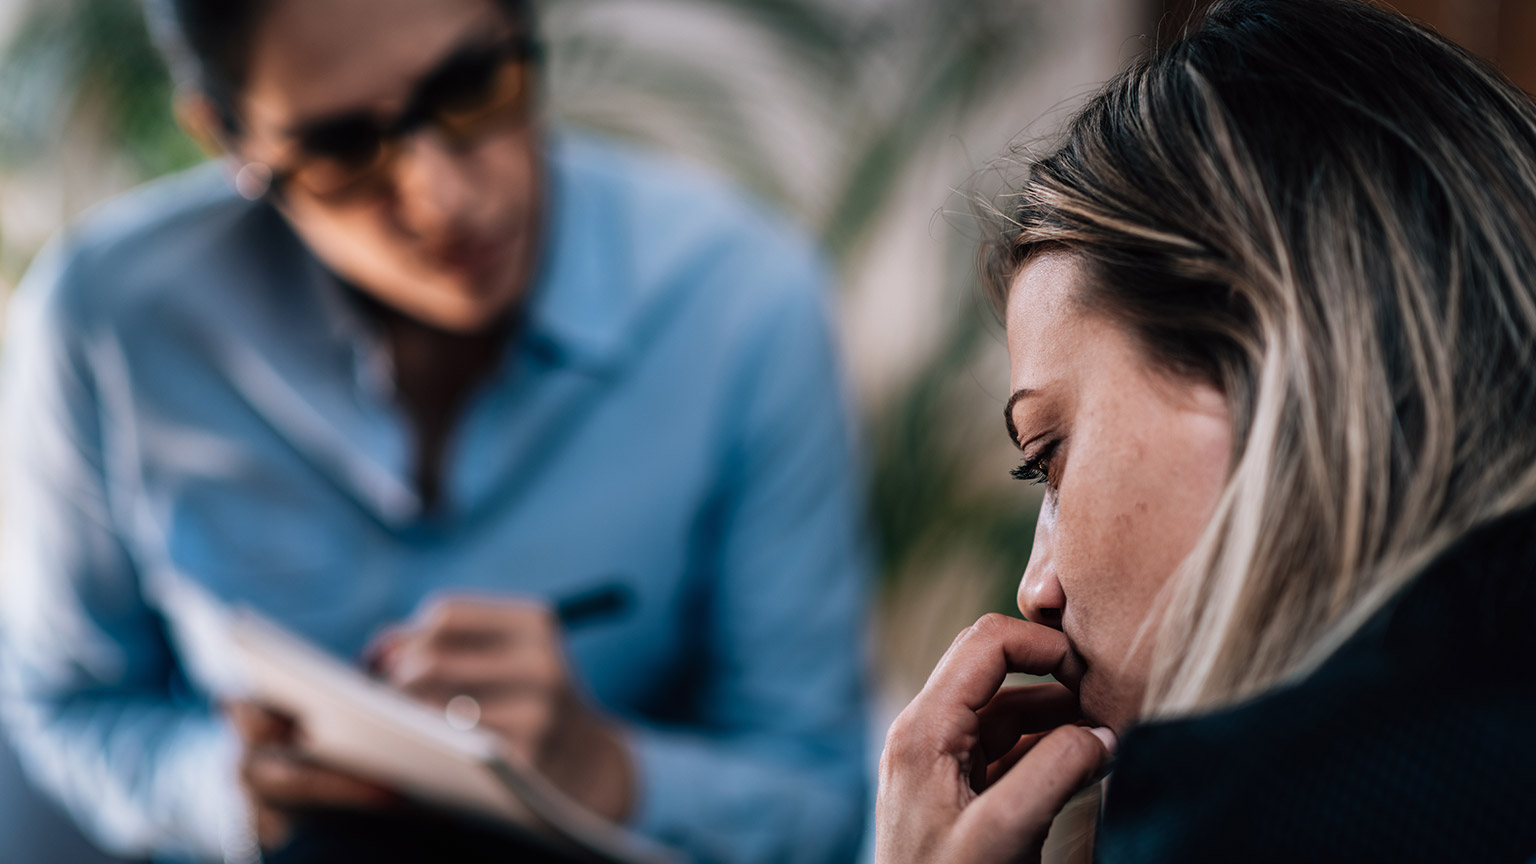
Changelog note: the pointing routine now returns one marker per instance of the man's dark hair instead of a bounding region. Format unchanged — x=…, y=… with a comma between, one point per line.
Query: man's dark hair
x=207, y=43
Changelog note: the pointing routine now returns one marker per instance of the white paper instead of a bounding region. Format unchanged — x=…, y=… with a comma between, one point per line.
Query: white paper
x=366, y=728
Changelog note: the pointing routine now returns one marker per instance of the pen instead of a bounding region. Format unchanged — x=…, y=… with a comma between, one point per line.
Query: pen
x=604, y=601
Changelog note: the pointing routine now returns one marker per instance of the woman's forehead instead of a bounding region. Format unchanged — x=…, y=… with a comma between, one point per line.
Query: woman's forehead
x=1041, y=315
x=316, y=58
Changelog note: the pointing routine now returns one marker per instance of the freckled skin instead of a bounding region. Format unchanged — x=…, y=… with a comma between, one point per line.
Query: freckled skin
x=1142, y=460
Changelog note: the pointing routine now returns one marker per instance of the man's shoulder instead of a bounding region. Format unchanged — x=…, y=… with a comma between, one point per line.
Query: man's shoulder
x=141, y=245
x=645, y=177
x=673, y=218
x=644, y=249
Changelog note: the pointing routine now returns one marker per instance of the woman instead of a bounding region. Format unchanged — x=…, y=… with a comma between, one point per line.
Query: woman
x=428, y=375
x=1271, y=312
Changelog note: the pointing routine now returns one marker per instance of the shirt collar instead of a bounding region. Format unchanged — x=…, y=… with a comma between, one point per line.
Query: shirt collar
x=584, y=303
x=371, y=363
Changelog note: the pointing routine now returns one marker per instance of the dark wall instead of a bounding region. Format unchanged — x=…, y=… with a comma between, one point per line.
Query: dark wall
x=1503, y=31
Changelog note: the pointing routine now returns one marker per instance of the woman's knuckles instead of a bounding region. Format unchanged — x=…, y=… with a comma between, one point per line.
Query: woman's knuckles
x=922, y=741
x=1071, y=755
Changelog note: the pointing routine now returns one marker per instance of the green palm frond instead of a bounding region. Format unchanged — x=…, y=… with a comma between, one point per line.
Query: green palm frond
x=615, y=90
x=964, y=58
x=74, y=57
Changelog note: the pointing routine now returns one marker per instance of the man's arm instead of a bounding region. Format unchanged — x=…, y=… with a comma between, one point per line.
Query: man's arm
x=778, y=772
x=87, y=669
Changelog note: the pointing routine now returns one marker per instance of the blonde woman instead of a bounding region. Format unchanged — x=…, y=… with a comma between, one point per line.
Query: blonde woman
x=1271, y=313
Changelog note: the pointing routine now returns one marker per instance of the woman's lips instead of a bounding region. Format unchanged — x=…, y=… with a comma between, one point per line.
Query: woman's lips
x=1097, y=703
x=1072, y=669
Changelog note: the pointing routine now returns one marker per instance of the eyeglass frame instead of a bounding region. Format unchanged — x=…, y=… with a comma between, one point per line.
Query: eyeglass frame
x=256, y=179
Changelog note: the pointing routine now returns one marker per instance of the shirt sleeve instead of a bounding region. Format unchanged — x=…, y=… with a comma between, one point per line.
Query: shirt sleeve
x=91, y=698
x=777, y=771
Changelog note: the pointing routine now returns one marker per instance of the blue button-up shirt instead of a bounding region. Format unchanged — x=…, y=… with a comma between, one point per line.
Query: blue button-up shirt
x=191, y=396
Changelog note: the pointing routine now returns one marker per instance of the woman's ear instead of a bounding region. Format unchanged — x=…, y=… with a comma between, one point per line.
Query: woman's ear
x=200, y=120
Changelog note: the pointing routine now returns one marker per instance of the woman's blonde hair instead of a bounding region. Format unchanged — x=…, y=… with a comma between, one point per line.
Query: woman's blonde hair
x=1329, y=212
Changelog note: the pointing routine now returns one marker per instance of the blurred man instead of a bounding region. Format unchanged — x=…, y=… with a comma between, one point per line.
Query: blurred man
x=435, y=369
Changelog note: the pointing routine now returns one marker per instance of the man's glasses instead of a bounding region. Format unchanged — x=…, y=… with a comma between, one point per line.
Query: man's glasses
x=474, y=92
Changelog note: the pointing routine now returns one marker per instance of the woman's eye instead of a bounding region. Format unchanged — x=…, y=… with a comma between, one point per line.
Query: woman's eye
x=1037, y=469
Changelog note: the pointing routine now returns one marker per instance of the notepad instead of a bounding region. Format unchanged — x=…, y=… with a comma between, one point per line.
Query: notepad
x=363, y=727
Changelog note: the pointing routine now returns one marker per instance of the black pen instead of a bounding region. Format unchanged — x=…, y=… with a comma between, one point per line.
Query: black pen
x=609, y=600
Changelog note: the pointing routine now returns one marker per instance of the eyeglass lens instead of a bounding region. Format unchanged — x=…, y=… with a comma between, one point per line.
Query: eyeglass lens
x=467, y=97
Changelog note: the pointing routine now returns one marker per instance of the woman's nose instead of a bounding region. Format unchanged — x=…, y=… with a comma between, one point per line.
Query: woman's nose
x=1041, y=597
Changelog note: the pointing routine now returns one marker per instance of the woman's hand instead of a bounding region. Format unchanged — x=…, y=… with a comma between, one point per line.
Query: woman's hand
x=971, y=775
x=507, y=658
x=279, y=782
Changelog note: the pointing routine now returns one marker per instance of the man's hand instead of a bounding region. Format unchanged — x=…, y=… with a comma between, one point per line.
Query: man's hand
x=279, y=782
x=507, y=657
x=971, y=775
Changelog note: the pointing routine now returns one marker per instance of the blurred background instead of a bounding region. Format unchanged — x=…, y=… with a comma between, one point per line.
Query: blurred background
x=872, y=121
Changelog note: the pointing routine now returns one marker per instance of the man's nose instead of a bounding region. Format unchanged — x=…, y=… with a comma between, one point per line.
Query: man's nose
x=434, y=184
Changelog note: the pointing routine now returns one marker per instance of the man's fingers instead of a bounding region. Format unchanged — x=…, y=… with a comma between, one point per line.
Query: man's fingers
x=439, y=675
x=281, y=780
x=1023, y=710
x=1017, y=809
x=421, y=667
x=466, y=641
x=477, y=621
x=976, y=664
x=380, y=651
x=520, y=722
x=272, y=827
x=257, y=725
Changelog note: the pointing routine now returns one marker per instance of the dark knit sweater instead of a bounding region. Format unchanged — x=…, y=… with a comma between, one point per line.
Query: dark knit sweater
x=1416, y=741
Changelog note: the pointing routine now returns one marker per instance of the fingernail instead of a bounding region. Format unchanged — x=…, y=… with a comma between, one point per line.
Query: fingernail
x=1107, y=736
x=271, y=768
x=402, y=666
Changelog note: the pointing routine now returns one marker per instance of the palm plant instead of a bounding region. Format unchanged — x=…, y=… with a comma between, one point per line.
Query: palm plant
x=75, y=60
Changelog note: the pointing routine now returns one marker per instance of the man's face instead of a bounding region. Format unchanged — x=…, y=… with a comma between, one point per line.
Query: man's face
x=443, y=228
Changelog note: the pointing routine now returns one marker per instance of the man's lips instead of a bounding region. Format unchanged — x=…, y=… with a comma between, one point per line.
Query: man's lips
x=473, y=257
x=469, y=254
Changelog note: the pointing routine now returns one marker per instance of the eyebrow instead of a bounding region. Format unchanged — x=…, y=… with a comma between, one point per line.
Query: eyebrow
x=1013, y=431
x=471, y=44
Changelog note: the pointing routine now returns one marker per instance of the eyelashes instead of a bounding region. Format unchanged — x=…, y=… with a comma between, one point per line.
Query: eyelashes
x=1037, y=469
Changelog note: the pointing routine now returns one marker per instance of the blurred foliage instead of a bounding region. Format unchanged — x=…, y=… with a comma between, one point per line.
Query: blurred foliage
x=882, y=83
x=892, y=81
x=921, y=497
x=70, y=58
